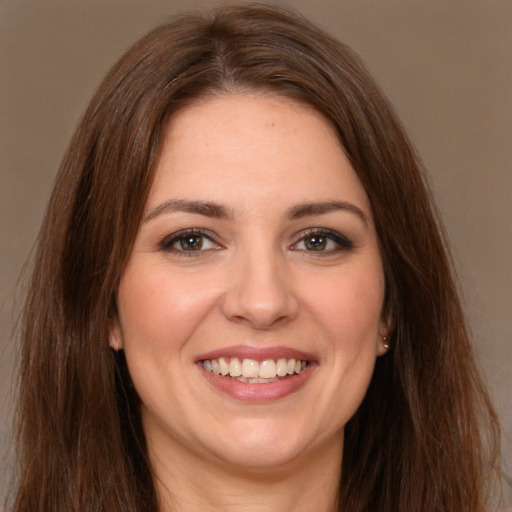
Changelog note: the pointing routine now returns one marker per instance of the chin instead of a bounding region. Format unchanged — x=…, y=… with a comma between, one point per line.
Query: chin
x=262, y=444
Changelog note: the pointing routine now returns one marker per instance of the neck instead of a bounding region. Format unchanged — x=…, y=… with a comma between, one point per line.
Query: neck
x=309, y=482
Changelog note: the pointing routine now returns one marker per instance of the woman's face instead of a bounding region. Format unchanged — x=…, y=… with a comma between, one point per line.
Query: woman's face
x=250, y=308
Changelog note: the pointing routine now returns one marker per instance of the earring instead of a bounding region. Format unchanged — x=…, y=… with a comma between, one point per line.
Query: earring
x=385, y=344
x=114, y=344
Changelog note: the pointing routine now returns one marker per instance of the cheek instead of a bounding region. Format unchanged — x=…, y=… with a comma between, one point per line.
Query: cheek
x=160, y=312
x=349, y=305
x=162, y=308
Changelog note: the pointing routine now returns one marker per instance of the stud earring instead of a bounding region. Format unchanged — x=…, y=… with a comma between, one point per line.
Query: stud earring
x=385, y=344
x=114, y=343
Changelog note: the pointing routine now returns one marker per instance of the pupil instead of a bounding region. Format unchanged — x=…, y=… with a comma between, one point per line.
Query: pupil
x=193, y=243
x=316, y=243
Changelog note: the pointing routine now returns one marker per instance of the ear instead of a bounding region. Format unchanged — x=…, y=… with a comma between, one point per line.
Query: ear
x=115, y=338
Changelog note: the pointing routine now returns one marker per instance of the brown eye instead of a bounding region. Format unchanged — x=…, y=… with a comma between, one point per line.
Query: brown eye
x=191, y=242
x=188, y=241
x=315, y=242
x=323, y=241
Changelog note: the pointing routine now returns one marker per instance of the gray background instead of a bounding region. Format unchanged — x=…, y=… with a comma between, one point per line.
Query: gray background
x=446, y=64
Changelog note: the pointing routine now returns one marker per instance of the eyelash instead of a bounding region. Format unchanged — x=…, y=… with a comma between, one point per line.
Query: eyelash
x=166, y=244
x=342, y=242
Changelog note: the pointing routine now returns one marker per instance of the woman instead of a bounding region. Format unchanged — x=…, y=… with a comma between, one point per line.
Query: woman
x=242, y=298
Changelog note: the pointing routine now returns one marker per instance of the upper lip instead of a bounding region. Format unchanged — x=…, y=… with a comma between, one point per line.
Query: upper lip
x=257, y=353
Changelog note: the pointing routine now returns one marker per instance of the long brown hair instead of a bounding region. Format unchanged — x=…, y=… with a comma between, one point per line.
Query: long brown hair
x=425, y=438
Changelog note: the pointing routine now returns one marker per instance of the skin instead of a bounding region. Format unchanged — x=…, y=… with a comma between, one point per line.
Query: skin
x=256, y=282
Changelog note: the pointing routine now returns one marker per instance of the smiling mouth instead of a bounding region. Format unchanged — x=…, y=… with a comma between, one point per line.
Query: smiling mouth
x=255, y=372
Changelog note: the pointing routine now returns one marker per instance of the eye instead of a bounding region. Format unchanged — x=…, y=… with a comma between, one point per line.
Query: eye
x=188, y=241
x=322, y=240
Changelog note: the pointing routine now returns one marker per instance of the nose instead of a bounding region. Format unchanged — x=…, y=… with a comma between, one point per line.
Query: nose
x=259, y=292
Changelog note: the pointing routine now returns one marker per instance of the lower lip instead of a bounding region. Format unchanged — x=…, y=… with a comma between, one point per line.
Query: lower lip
x=258, y=393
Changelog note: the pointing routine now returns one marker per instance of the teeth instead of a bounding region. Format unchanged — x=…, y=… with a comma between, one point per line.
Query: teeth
x=252, y=371
x=267, y=369
x=235, y=368
x=257, y=381
x=281, y=367
x=250, y=368
x=215, y=366
x=224, y=368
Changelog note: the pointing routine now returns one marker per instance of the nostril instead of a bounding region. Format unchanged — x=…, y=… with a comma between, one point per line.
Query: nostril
x=260, y=310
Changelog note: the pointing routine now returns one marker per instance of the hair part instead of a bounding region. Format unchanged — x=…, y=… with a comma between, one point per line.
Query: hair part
x=80, y=436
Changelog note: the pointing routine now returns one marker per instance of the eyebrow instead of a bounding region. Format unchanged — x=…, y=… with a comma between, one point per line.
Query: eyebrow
x=206, y=209
x=316, y=209
x=214, y=210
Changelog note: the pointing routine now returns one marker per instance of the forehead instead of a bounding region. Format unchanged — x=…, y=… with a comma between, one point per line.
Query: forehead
x=253, y=147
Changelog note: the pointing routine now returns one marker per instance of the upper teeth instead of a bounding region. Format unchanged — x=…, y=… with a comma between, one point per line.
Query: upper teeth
x=251, y=369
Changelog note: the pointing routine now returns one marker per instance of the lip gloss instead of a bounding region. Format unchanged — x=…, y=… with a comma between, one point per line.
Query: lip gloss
x=258, y=392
